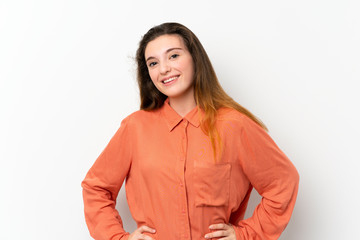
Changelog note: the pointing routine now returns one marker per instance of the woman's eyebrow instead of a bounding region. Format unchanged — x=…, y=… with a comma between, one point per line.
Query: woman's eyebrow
x=167, y=51
x=171, y=49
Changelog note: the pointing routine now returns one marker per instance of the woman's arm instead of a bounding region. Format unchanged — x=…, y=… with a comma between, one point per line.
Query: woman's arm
x=102, y=184
x=274, y=177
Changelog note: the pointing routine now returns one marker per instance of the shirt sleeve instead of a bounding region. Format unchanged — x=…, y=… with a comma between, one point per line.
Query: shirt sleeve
x=273, y=176
x=102, y=184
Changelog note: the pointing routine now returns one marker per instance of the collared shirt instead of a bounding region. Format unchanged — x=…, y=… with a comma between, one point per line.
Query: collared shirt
x=175, y=185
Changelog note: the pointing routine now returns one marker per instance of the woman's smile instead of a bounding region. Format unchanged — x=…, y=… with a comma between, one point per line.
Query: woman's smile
x=169, y=80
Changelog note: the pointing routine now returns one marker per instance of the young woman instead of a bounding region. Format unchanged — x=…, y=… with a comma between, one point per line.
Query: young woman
x=190, y=156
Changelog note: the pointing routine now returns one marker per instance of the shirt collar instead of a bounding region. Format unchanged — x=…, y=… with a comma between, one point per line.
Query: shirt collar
x=172, y=118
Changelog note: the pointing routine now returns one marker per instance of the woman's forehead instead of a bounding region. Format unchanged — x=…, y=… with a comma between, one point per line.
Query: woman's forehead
x=163, y=43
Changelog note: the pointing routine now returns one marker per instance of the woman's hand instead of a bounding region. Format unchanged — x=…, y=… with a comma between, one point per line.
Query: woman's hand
x=225, y=231
x=138, y=233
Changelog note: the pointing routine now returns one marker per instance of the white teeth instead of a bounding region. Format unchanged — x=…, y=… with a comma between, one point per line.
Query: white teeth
x=170, y=79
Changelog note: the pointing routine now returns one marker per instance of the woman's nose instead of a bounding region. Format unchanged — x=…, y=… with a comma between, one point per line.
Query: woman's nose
x=164, y=68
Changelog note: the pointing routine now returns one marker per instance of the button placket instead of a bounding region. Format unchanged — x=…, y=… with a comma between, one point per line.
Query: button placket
x=183, y=207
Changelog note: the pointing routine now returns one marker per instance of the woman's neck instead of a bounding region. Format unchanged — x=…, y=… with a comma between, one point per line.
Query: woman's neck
x=182, y=105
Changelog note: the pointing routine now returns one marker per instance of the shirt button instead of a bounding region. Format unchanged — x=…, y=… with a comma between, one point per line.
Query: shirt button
x=181, y=185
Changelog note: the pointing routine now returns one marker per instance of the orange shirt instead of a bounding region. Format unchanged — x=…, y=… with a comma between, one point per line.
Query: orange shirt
x=174, y=185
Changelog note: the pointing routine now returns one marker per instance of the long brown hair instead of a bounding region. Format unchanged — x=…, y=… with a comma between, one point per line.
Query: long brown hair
x=209, y=95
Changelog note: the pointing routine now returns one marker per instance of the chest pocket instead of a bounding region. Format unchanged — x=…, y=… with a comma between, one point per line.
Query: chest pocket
x=212, y=184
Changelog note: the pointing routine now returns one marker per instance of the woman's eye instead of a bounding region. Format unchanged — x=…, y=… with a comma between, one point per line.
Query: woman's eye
x=174, y=56
x=152, y=64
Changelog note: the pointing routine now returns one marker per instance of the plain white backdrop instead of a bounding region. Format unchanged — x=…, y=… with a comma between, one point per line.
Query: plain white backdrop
x=67, y=79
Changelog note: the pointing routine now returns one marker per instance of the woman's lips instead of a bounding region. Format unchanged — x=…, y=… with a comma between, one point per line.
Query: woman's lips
x=168, y=81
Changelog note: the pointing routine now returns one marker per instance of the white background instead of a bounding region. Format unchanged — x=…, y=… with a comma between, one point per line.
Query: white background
x=67, y=79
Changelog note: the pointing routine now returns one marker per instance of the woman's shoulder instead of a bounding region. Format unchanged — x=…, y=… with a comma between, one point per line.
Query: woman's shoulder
x=232, y=122
x=230, y=114
x=237, y=120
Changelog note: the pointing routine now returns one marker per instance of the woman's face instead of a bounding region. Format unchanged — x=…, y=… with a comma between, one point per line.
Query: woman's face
x=170, y=66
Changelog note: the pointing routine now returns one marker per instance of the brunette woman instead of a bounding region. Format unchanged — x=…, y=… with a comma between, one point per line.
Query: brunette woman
x=191, y=156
